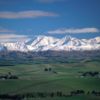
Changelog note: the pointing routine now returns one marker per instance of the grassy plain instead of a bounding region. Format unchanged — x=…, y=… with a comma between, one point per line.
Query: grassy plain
x=33, y=78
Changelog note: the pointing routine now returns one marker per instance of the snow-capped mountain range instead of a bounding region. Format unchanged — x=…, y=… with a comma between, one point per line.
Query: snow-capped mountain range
x=45, y=43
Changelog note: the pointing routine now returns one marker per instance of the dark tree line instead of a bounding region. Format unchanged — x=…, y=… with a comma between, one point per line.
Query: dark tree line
x=92, y=74
x=77, y=92
x=8, y=76
x=96, y=93
x=44, y=94
x=10, y=97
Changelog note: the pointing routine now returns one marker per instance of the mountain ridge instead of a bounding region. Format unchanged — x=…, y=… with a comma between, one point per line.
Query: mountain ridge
x=45, y=43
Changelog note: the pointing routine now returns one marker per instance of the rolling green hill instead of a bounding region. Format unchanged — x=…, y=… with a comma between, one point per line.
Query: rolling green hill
x=64, y=77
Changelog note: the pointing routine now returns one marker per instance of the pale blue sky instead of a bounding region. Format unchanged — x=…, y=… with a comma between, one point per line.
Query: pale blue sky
x=79, y=18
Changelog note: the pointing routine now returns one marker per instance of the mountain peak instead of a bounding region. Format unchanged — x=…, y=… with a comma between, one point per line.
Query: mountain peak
x=43, y=43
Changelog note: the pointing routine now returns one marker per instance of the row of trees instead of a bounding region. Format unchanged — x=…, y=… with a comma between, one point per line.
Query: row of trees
x=92, y=74
x=8, y=76
x=43, y=95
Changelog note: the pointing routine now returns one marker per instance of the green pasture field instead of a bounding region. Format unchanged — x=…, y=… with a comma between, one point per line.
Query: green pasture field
x=63, y=77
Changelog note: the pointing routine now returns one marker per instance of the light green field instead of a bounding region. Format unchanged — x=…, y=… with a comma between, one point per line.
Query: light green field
x=33, y=78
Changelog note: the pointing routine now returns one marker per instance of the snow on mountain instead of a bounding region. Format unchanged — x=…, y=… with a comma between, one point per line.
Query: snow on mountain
x=44, y=43
x=95, y=40
x=41, y=43
x=2, y=48
x=18, y=46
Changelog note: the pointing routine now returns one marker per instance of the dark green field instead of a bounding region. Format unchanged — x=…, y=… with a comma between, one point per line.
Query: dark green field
x=64, y=77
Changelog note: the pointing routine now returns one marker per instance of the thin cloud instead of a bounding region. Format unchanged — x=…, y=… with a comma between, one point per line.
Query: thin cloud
x=26, y=14
x=2, y=30
x=12, y=37
x=74, y=31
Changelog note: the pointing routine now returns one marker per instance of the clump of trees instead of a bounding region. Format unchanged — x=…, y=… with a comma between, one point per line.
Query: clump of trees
x=8, y=76
x=92, y=74
x=50, y=70
x=77, y=92
x=96, y=93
